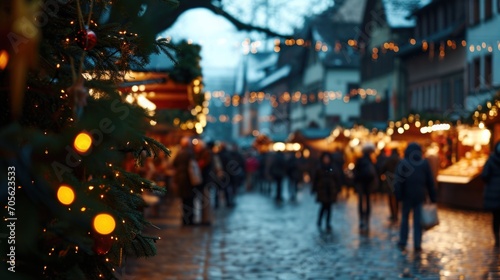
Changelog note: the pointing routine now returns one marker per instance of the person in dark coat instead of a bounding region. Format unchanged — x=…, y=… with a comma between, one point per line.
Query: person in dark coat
x=326, y=185
x=278, y=172
x=294, y=174
x=413, y=183
x=339, y=162
x=365, y=181
x=225, y=177
x=388, y=172
x=203, y=155
x=181, y=179
x=491, y=176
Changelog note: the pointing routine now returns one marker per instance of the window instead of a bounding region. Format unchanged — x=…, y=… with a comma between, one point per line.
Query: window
x=451, y=14
x=443, y=17
x=446, y=95
x=474, y=12
x=487, y=71
x=432, y=22
x=458, y=92
x=476, y=74
x=488, y=9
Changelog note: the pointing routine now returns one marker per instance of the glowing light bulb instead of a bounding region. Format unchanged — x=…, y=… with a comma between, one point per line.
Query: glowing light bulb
x=104, y=223
x=82, y=142
x=65, y=195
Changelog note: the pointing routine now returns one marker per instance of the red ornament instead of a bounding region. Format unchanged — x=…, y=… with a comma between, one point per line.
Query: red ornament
x=86, y=39
x=102, y=244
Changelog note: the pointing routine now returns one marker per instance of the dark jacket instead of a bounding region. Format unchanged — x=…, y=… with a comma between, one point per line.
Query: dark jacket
x=491, y=176
x=278, y=166
x=365, y=174
x=389, y=170
x=414, y=179
x=326, y=183
x=181, y=176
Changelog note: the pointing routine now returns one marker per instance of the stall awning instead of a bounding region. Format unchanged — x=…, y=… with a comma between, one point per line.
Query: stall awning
x=159, y=89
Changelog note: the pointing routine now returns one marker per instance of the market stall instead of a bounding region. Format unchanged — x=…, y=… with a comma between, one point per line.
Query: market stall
x=460, y=185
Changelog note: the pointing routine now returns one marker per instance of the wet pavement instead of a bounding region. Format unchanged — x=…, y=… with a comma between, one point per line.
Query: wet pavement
x=260, y=239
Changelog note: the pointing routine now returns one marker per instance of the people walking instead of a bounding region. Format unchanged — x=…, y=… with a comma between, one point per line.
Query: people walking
x=278, y=172
x=365, y=180
x=203, y=156
x=225, y=174
x=414, y=182
x=182, y=180
x=294, y=174
x=491, y=176
x=326, y=186
x=388, y=172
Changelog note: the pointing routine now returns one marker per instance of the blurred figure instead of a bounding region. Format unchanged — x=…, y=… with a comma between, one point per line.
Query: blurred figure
x=413, y=183
x=432, y=156
x=225, y=177
x=491, y=175
x=278, y=172
x=379, y=163
x=326, y=185
x=339, y=162
x=203, y=156
x=365, y=180
x=388, y=172
x=251, y=168
x=181, y=179
x=237, y=171
x=294, y=174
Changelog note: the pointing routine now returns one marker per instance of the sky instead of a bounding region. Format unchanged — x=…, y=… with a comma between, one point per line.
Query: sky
x=221, y=42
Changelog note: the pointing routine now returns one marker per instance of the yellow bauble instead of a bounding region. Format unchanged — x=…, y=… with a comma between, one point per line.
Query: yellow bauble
x=82, y=143
x=65, y=194
x=104, y=223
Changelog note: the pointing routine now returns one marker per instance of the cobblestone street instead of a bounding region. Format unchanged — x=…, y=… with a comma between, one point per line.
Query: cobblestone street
x=259, y=239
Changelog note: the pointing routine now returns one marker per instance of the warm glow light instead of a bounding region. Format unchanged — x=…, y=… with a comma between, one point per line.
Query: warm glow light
x=401, y=130
x=104, y=224
x=4, y=59
x=296, y=146
x=279, y=146
x=65, y=195
x=82, y=142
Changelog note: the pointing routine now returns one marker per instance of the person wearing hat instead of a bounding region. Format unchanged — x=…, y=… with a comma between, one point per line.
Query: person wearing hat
x=365, y=180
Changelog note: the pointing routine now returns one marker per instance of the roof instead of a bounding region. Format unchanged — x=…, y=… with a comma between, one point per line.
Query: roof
x=337, y=33
x=398, y=12
x=313, y=133
x=275, y=76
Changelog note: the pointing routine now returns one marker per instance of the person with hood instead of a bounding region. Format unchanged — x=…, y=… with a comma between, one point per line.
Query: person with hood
x=413, y=183
x=365, y=180
x=491, y=176
x=326, y=185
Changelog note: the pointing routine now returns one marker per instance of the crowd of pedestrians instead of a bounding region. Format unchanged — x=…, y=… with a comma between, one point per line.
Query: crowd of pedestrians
x=208, y=176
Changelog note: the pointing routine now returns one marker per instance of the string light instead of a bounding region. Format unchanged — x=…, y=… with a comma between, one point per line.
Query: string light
x=104, y=223
x=82, y=142
x=65, y=195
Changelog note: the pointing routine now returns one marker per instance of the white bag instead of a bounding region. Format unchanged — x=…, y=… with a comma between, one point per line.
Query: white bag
x=429, y=216
x=194, y=173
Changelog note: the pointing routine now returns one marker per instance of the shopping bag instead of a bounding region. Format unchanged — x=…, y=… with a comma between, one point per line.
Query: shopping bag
x=429, y=216
x=195, y=176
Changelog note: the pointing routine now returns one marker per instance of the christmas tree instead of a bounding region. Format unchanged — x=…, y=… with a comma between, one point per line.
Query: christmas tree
x=71, y=210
